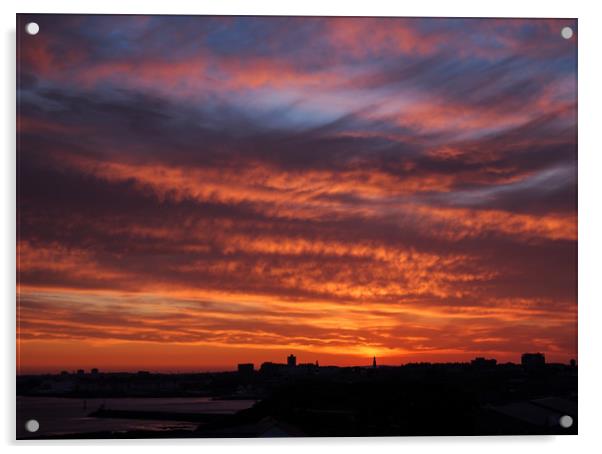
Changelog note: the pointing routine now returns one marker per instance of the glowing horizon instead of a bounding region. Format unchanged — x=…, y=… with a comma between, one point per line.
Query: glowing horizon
x=196, y=192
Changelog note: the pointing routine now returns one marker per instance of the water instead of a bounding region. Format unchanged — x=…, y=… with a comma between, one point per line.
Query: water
x=62, y=415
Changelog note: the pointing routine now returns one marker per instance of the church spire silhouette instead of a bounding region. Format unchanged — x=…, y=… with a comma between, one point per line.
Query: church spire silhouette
x=374, y=362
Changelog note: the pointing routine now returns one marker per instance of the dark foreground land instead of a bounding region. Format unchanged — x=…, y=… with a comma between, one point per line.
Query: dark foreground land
x=410, y=400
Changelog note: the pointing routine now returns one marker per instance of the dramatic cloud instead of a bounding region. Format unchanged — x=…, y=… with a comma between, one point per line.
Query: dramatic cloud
x=228, y=189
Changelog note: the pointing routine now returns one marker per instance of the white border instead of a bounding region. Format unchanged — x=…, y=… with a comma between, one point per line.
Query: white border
x=590, y=220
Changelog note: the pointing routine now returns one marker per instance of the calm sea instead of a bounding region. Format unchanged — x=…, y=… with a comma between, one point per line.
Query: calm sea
x=61, y=415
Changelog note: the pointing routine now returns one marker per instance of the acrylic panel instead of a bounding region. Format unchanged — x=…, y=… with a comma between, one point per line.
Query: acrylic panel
x=239, y=226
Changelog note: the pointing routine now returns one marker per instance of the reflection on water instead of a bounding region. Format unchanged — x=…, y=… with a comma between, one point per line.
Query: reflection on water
x=60, y=415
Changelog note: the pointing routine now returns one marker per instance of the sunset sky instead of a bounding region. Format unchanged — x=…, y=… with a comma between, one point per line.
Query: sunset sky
x=195, y=192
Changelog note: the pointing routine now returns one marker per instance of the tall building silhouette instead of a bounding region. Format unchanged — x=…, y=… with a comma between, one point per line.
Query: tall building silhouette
x=291, y=360
x=533, y=360
x=374, y=362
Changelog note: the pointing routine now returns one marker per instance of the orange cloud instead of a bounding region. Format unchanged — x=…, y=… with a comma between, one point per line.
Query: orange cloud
x=392, y=187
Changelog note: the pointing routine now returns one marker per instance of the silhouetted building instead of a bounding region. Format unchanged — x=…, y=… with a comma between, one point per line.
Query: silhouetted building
x=291, y=360
x=246, y=368
x=374, y=362
x=533, y=360
x=64, y=372
x=271, y=368
x=94, y=371
x=81, y=372
x=573, y=363
x=306, y=368
x=483, y=363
